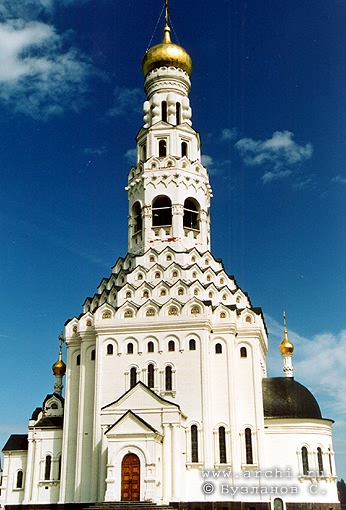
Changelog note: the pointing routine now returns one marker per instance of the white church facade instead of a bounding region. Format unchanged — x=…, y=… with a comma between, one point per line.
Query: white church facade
x=167, y=395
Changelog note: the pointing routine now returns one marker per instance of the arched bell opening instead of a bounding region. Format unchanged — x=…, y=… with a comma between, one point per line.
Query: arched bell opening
x=162, y=212
x=191, y=214
x=137, y=217
x=178, y=114
x=184, y=151
x=162, y=148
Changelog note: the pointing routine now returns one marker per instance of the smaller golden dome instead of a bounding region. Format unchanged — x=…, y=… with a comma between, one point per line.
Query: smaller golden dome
x=59, y=367
x=286, y=346
x=166, y=54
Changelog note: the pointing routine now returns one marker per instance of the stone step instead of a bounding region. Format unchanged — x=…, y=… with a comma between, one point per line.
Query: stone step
x=127, y=505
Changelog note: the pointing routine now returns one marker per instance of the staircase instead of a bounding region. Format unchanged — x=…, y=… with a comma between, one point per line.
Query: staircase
x=127, y=505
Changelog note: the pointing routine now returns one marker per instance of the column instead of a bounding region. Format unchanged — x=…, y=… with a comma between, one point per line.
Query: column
x=167, y=464
x=177, y=221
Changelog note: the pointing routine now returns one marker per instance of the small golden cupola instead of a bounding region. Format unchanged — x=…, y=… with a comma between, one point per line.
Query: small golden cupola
x=59, y=370
x=166, y=54
x=286, y=349
x=286, y=346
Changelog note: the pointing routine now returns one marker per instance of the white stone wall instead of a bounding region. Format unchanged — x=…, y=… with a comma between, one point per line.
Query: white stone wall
x=13, y=463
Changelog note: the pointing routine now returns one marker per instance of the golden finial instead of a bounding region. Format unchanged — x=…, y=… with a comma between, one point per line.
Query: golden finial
x=166, y=15
x=59, y=367
x=286, y=347
x=61, y=339
x=166, y=30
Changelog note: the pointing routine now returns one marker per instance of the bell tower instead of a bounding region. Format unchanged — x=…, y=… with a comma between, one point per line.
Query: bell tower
x=168, y=189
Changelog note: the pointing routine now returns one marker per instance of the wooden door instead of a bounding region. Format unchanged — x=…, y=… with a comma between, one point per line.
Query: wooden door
x=130, y=478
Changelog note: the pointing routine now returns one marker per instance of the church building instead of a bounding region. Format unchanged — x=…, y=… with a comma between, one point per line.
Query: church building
x=167, y=398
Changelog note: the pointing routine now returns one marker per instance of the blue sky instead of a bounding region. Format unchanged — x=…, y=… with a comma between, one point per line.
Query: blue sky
x=268, y=97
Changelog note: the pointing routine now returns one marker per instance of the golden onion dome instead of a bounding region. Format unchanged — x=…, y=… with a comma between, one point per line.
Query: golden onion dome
x=286, y=346
x=59, y=367
x=166, y=54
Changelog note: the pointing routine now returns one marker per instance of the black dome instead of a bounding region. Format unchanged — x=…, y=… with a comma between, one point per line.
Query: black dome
x=283, y=397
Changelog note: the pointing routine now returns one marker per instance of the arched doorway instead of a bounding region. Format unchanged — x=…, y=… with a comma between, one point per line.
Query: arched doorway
x=130, y=478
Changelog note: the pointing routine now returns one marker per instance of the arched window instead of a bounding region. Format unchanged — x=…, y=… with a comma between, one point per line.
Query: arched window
x=178, y=113
x=222, y=445
x=192, y=344
x=19, y=481
x=191, y=214
x=78, y=360
x=47, y=467
x=248, y=446
x=194, y=443
x=150, y=346
x=162, y=148
x=218, y=349
x=137, y=217
x=183, y=149
x=130, y=348
x=110, y=349
x=171, y=345
x=243, y=352
x=151, y=375
x=133, y=377
x=59, y=468
x=144, y=152
x=93, y=355
x=168, y=378
x=305, y=460
x=330, y=461
x=164, y=111
x=320, y=461
x=162, y=211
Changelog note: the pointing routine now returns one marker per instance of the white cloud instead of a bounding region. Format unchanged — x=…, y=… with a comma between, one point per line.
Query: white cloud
x=339, y=179
x=228, y=134
x=213, y=166
x=125, y=100
x=30, y=9
x=274, y=176
x=131, y=156
x=279, y=154
x=17, y=41
x=207, y=160
x=27, y=9
x=95, y=151
x=38, y=76
x=325, y=352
